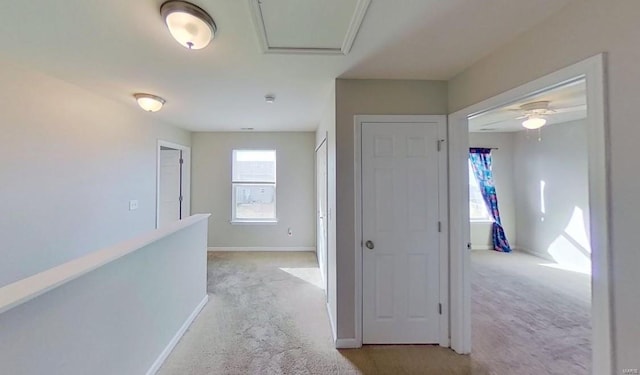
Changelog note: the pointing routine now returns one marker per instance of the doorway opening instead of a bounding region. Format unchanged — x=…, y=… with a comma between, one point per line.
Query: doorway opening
x=529, y=231
x=173, y=186
x=591, y=71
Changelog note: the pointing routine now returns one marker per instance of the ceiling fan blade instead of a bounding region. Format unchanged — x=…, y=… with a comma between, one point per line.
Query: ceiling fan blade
x=575, y=108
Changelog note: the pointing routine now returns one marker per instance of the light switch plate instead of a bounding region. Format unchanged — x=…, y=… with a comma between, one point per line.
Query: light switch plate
x=133, y=205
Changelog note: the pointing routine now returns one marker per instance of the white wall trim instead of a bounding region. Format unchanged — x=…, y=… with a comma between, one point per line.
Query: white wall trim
x=541, y=255
x=334, y=332
x=348, y=343
x=261, y=248
x=482, y=247
x=593, y=70
x=186, y=177
x=444, y=235
x=174, y=341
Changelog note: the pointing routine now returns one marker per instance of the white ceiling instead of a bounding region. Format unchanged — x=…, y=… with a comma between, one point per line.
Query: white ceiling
x=569, y=101
x=118, y=47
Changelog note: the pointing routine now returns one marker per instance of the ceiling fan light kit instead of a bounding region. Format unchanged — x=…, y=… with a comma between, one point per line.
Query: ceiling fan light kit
x=534, y=113
x=190, y=25
x=534, y=122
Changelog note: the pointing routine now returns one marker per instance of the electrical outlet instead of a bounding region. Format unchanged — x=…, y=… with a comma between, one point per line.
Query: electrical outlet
x=133, y=205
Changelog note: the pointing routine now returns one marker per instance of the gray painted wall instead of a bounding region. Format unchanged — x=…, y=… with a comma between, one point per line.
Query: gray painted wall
x=72, y=161
x=367, y=97
x=98, y=323
x=559, y=159
x=582, y=29
x=502, y=167
x=295, y=195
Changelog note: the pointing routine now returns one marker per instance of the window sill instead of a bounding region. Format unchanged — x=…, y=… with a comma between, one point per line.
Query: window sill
x=480, y=221
x=254, y=222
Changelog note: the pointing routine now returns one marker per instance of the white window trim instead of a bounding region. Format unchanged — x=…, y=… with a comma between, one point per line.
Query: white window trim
x=271, y=220
x=488, y=218
x=266, y=221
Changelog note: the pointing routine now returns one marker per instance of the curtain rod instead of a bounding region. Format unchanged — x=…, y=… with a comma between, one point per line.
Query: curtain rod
x=490, y=148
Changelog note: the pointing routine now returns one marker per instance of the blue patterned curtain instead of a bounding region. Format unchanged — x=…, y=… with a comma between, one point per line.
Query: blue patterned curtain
x=481, y=164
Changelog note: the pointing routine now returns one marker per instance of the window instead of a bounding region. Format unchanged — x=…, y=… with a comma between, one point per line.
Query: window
x=253, y=186
x=477, y=207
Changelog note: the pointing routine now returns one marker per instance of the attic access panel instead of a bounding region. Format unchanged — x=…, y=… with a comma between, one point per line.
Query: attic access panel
x=308, y=26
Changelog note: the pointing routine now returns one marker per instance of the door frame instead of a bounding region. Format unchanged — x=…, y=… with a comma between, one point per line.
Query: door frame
x=593, y=70
x=186, y=177
x=325, y=275
x=443, y=206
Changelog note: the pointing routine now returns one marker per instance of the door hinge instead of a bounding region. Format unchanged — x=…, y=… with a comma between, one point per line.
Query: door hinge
x=180, y=198
x=439, y=143
x=181, y=161
x=440, y=308
x=439, y=226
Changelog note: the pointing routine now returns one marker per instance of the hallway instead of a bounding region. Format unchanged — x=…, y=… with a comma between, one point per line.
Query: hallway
x=266, y=315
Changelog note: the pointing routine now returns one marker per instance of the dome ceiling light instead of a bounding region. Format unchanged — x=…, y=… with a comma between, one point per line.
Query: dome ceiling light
x=270, y=98
x=148, y=102
x=534, y=122
x=534, y=114
x=189, y=24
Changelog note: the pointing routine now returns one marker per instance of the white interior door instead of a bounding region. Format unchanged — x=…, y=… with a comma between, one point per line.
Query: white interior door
x=170, y=186
x=400, y=227
x=321, y=230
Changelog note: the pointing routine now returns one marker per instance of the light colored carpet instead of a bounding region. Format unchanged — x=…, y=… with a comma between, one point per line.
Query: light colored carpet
x=266, y=315
x=528, y=318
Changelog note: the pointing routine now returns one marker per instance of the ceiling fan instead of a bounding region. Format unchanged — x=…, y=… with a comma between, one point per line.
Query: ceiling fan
x=535, y=113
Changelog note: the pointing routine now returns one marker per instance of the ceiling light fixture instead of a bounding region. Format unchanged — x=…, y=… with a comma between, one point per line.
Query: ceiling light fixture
x=148, y=102
x=534, y=122
x=534, y=113
x=270, y=98
x=189, y=24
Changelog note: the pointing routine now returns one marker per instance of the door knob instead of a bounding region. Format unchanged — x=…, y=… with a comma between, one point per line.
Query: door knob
x=369, y=244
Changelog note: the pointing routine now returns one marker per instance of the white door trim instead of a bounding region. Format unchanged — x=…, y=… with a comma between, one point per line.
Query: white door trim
x=325, y=272
x=186, y=177
x=444, y=235
x=592, y=69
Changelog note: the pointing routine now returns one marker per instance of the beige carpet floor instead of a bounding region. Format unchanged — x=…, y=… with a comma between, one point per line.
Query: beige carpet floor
x=529, y=318
x=266, y=315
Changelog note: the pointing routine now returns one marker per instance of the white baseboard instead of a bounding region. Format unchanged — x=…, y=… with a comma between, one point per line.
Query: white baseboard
x=481, y=247
x=534, y=253
x=347, y=344
x=263, y=248
x=174, y=341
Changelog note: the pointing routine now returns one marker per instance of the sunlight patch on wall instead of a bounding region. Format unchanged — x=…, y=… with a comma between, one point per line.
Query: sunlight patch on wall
x=571, y=249
x=543, y=209
x=577, y=230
